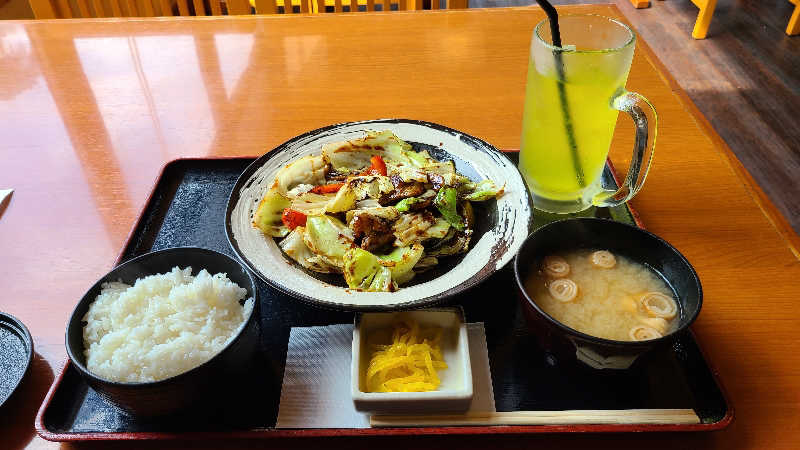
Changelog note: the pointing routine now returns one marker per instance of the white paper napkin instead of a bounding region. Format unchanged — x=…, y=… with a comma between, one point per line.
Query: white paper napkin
x=316, y=381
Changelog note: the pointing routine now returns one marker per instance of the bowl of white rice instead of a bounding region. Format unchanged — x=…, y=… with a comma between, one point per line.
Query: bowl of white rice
x=167, y=330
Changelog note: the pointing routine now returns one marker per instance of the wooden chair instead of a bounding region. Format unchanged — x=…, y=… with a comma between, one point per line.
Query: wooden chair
x=703, y=17
x=67, y=9
x=794, y=22
x=313, y=6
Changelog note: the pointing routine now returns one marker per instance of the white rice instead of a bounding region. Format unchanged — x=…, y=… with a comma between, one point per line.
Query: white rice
x=163, y=325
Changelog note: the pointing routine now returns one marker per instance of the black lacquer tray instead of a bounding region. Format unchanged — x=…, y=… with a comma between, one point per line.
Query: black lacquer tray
x=187, y=208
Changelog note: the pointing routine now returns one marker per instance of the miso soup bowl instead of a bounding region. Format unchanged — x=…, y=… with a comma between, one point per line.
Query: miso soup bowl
x=200, y=391
x=570, y=347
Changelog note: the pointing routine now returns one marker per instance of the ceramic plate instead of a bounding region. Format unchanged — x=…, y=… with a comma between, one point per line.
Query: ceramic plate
x=501, y=225
x=16, y=354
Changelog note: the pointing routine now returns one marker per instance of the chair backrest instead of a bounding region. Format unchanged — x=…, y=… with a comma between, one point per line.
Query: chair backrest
x=305, y=6
x=67, y=9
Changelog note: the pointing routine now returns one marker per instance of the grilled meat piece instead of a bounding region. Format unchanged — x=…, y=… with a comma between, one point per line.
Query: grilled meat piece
x=373, y=232
x=401, y=190
x=375, y=241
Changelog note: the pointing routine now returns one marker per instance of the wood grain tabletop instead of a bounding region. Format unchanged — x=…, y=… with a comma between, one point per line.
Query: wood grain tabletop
x=90, y=111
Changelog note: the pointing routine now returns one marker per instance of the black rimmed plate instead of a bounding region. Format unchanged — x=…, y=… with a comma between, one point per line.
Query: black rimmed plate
x=501, y=225
x=16, y=354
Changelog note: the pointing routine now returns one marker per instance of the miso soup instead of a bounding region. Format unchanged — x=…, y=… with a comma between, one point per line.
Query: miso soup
x=604, y=295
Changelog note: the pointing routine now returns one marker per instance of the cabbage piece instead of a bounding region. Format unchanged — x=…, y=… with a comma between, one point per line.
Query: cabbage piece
x=327, y=236
x=446, y=202
x=359, y=188
x=299, y=190
x=364, y=271
x=367, y=203
x=312, y=204
x=451, y=233
x=355, y=155
x=418, y=227
x=410, y=227
x=404, y=278
x=418, y=159
x=459, y=243
x=483, y=190
x=442, y=168
x=387, y=213
x=294, y=246
x=401, y=260
x=454, y=179
x=344, y=200
x=370, y=186
x=268, y=215
x=429, y=194
x=324, y=261
x=408, y=173
x=415, y=158
x=438, y=230
x=427, y=262
x=306, y=170
x=343, y=157
x=360, y=267
x=382, y=282
x=417, y=166
x=393, y=146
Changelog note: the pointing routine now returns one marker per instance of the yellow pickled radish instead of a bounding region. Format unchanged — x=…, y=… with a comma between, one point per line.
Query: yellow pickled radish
x=555, y=266
x=643, y=333
x=656, y=304
x=563, y=289
x=603, y=259
x=409, y=363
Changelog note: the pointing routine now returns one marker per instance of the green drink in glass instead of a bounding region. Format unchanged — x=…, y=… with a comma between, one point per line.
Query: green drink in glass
x=573, y=96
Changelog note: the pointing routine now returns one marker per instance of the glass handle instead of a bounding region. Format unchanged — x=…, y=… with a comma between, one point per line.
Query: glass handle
x=646, y=121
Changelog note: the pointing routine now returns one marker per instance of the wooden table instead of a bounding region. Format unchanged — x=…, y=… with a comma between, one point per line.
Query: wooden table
x=90, y=110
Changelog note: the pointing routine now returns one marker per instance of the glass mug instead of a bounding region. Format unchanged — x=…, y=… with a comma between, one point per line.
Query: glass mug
x=572, y=98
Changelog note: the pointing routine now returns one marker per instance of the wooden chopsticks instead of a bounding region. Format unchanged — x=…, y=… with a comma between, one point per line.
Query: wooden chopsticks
x=590, y=417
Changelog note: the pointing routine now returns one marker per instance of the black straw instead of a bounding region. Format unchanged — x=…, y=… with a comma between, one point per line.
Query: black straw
x=552, y=14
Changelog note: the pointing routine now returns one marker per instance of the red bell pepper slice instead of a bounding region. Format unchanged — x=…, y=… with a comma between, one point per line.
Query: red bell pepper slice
x=293, y=219
x=378, y=167
x=327, y=188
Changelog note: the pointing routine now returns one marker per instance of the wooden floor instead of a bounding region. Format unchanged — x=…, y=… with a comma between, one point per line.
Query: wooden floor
x=745, y=78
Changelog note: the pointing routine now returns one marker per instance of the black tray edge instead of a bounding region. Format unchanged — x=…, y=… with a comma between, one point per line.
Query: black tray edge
x=56, y=436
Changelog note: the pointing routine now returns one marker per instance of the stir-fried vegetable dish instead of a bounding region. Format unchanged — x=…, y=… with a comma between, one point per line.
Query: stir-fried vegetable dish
x=372, y=209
